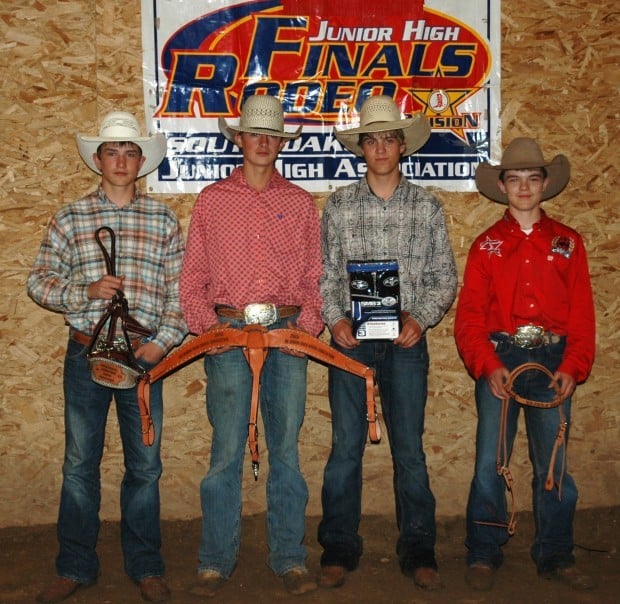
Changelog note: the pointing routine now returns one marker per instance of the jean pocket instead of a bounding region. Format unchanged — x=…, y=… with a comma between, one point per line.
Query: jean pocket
x=75, y=350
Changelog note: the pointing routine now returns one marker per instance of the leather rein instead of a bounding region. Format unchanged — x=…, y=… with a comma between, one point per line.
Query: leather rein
x=503, y=456
x=255, y=340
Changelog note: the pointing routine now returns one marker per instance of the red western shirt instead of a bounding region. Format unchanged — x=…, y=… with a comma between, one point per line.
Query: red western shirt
x=513, y=279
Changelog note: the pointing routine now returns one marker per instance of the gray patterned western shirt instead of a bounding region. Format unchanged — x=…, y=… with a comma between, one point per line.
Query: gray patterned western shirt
x=410, y=227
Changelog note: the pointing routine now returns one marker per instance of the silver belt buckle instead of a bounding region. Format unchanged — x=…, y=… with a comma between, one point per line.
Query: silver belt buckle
x=260, y=314
x=529, y=336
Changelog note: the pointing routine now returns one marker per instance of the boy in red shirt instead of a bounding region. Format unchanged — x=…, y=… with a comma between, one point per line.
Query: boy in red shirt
x=526, y=297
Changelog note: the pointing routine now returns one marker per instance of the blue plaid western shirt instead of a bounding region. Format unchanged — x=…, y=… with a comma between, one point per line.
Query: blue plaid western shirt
x=149, y=252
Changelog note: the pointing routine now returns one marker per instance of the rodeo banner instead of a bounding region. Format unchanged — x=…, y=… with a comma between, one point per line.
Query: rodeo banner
x=202, y=58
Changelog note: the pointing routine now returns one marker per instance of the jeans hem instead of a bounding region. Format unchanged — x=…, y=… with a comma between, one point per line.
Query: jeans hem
x=412, y=561
x=146, y=575
x=78, y=579
x=346, y=560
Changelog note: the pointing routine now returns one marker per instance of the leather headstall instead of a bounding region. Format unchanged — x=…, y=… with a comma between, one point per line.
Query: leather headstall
x=111, y=358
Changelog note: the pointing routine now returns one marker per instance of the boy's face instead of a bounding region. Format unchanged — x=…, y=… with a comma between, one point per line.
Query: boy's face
x=524, y=188
x=259, y=150
x=382, y=152
x=119, y=163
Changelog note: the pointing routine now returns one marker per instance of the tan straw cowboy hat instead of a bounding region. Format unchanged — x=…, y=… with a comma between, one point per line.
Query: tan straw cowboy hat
x=260, y=114
x=121, y=127
x=522, y=154
x=381, y=114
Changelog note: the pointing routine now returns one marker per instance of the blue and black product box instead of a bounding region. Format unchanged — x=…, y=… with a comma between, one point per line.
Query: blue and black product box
x=375, y=299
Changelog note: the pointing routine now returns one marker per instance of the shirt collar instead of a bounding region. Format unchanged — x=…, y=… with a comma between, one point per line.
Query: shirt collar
x=512, y=222
x=103, y=197
x=366, y=190
x=276, y=180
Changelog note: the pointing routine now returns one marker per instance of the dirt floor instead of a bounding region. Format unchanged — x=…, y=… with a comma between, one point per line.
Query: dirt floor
x=27, y=555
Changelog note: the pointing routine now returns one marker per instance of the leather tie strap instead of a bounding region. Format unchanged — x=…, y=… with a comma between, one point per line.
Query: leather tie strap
x=255, y=341
x=503, y=456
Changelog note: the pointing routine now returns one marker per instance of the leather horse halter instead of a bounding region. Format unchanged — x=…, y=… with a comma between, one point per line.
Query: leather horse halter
x=503, y=457
x=255, y=341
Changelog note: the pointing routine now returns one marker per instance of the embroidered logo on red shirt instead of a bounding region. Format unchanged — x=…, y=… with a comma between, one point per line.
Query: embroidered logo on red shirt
x=563, y=246
x=492, y=246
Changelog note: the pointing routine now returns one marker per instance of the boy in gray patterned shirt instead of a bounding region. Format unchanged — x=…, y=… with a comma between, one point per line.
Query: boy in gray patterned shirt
x=381, y=217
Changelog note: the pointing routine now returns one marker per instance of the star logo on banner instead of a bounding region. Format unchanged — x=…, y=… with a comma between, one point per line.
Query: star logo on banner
x=440, y=106
x=491, y=246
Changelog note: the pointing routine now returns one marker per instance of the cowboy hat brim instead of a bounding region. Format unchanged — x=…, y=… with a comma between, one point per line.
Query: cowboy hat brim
x=416, y=131
x=487, y=177
x=229, y=131
x=153, y=150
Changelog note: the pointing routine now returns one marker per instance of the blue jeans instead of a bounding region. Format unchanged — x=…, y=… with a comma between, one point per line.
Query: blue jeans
x=553, y=511
x=401, y=375
x=86, y=412
x=282, y=408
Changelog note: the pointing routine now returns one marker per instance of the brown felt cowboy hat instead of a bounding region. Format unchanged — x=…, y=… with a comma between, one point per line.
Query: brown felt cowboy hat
x=122, y=127
x=523, y=154
x=381, y=114
x=260, y=114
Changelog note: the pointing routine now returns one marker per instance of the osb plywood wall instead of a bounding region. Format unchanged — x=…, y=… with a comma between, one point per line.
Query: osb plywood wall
x=65, y=63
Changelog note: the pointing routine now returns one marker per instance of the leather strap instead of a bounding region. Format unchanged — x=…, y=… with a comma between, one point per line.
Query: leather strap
x=503, y=456
x=255, y=341
x=234, y=313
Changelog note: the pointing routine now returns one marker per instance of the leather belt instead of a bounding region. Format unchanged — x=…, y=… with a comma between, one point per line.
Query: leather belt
x=84, y=339
x=257, y=314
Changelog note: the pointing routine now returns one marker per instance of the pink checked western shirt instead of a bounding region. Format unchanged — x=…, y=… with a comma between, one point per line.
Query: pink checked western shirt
x=246, y=246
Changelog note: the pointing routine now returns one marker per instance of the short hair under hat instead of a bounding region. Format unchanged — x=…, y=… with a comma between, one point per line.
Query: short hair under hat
x=380, y=113
x=121, y=126
x=522, y=154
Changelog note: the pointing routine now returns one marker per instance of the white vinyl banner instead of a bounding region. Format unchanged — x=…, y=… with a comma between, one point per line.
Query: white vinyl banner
x=202, y=58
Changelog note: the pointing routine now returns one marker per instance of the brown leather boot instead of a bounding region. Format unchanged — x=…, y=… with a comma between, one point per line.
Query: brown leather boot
x=569, y=575
x=332, y=576
x=427, y=578
x=60, y=589
x=154, y=589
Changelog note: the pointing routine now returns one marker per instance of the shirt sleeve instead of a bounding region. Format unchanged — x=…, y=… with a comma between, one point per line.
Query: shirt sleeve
x=439, y=280
x=310, y=319
x=196, y=300
x=470, y=324
x=331, y=280
x=581, y=325
x=49, y=282
x=172, y=328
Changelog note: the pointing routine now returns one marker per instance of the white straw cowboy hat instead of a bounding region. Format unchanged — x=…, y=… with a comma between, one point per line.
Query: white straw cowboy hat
x=120, y=127
x=260, y=114
x=381, y=114
x=522, y=154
